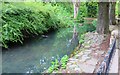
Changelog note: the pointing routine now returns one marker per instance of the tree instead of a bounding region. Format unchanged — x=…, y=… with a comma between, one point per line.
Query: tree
x=103, y=18
x=112, y=13
x=76, y=4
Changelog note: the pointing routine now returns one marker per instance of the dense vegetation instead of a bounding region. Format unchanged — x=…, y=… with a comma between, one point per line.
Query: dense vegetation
x=25, y=19
x=117, y=8
x=21, y=19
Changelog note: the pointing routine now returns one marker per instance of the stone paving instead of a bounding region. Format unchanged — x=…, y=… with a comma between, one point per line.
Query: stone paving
x=89, y=56
x=114, y=65
x=114, y=68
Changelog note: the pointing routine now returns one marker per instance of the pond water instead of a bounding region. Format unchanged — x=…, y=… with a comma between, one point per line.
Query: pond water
x=36, y=54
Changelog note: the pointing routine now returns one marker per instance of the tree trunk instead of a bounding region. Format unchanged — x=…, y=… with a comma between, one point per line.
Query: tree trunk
x=76, y=8
x=103, y=18
x=112, y=13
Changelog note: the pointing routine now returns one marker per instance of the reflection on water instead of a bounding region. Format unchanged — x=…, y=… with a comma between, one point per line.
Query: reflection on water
x=36, y=54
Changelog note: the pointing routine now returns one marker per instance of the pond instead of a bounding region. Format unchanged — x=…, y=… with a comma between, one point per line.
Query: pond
x=36, y=54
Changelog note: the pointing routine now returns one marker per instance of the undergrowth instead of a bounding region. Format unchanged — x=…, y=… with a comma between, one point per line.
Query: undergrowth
x=58, y=64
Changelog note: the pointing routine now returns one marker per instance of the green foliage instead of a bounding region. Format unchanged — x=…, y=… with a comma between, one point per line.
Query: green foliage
x=94, y=23
x=117, y=8
x=32, y=18
x=20, y=19
x=86, y=28
x=82, y=12
x=87, y=9
x=51, y=69
x=64, y=15
x=64, y=61
x=92, y=9
x=81, y=39
x=68, y=6
x=82, y=29
x=54, y=66
x=90, y=28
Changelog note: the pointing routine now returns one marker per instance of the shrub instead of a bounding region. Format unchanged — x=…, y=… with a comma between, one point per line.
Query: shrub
x=89, y=28
x=19, y=19
x=117, y=11
x=64, y=15
x=92, y=9
x=82, y=12
x=57, y=65
x=81, y=39
x=94, y=23
x=63, y=61
x=54, y=66
x=86, y=28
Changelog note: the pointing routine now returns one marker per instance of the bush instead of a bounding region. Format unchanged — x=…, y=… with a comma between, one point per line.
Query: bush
x=90, y=28
x=86, y=28
x=94, y=23
x=55, y=65
x=63, y=61
x=81, y=39
x=64, y=14
x=92, y=9
x=30, y=18
x=117, y=11
x=82, y=12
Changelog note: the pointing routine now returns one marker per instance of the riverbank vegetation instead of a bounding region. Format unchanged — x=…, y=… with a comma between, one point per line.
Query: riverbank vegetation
x=58, y=64
x=21, y=20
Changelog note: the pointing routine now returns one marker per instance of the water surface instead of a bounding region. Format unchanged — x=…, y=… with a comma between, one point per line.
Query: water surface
x=36, y=54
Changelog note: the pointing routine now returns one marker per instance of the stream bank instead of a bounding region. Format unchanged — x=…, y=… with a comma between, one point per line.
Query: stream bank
x=89, y=56
x=35, y=55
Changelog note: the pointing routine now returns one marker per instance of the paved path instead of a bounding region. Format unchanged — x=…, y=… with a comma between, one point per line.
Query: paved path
x=114, y=65
x=119, y=57
x=115, y=61
x=91, y=55
x=87, y=60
